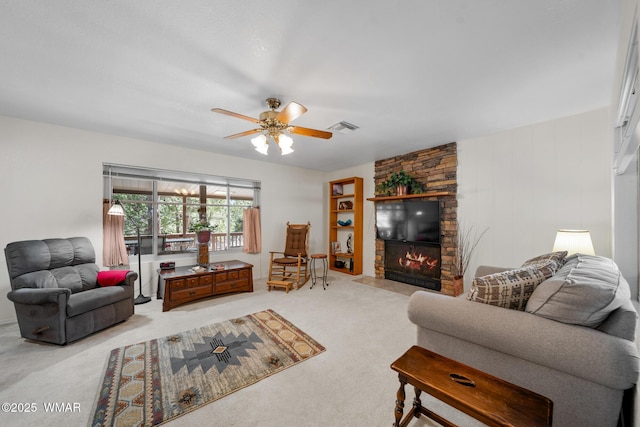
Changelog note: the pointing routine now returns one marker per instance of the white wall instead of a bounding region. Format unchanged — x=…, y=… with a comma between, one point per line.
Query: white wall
x=526, y=183
x=52, y=184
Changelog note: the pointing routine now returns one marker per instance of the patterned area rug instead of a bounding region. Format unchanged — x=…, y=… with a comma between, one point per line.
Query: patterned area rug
x=155, y=381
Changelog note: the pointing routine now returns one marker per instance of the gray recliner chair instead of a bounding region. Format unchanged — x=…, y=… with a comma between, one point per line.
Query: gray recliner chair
x=55, y=290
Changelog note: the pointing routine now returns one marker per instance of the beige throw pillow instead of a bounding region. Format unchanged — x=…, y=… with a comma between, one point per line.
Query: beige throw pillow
x=559, y=258
x=511, y=288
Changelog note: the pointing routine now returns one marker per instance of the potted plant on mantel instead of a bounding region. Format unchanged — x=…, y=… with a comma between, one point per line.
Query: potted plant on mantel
x=466, y=243
x=402, y=183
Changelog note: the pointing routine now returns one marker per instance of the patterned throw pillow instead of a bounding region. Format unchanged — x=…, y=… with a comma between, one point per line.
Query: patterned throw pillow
x=558, y=258
x=512, y=288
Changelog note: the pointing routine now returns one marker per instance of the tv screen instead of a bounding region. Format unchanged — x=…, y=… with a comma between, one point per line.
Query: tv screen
x=409, y=220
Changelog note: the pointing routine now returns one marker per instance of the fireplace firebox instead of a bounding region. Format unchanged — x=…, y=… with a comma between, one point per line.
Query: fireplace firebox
x=414, y=263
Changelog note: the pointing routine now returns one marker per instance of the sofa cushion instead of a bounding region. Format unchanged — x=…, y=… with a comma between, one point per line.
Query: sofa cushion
x=511, y=288
x=583, y=292
x=76, y=278
x=34, y=255
x=556, y=257
x=83, y=302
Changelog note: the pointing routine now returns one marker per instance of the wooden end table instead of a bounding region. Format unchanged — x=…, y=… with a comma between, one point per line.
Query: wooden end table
x=484, y=397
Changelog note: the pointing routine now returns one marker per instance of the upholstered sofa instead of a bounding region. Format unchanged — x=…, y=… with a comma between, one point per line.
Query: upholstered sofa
x=56, y=293
x=568, y=334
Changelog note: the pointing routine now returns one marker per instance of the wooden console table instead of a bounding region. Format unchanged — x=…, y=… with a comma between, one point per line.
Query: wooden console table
x=182, y=285
x=484, y=397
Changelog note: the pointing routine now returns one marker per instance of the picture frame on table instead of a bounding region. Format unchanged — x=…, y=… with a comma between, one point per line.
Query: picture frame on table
x=336, y=248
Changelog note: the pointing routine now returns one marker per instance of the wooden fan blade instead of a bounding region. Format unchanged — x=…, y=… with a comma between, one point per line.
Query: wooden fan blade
x=245, y=133
x=292, y=111
x=232, y=114
x=310, y=132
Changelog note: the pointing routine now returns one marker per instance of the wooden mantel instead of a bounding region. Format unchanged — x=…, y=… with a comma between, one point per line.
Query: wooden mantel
x=411, y=196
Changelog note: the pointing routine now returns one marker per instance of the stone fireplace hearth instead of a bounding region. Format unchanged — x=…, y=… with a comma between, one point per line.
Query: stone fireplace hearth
x=436, y=169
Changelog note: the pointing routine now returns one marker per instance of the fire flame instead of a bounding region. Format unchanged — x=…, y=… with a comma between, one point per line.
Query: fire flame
x=415, y=260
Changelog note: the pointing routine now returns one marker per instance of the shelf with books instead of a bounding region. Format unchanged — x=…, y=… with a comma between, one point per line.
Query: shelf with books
x=345, y=206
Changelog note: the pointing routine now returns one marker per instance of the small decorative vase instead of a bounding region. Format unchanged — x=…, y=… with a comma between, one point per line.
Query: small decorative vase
x=458, y=285
x=402, y=190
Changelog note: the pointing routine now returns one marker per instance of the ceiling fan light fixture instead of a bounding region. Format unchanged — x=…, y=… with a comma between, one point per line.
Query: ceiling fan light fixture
x=273, y=123
x=285, y=143
x=287, y=150
x=259, y=140
x=261, y=144
x=263, y=149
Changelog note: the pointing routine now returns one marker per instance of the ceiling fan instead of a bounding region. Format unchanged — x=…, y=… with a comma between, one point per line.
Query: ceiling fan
x=273, y=124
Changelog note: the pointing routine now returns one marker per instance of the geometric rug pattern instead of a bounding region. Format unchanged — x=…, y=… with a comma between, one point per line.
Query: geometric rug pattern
x=151, y=382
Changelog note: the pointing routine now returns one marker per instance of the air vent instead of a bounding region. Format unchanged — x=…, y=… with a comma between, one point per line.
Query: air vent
x=344, y=127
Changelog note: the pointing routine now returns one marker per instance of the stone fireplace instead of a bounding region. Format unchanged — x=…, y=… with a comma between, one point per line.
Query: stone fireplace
x=436, y=169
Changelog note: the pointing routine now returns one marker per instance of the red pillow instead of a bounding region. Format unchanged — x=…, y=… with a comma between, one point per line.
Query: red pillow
x=111, y=277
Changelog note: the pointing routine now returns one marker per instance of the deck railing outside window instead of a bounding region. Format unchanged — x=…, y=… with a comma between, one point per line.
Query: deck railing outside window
x=172, y=244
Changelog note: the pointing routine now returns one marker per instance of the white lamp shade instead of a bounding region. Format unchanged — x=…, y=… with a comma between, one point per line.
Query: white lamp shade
x=285, y=143
x=574, y=241
x=260, y=142
x=116, y=209
x=286, y=150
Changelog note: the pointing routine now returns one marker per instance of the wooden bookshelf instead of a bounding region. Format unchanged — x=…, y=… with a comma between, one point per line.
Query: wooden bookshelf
x=348, y=190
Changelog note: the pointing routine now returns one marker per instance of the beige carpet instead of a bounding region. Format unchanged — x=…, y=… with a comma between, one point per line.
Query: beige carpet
x=363, y=328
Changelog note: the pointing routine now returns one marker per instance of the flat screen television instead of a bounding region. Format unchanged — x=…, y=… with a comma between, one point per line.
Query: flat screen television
x=409, y=220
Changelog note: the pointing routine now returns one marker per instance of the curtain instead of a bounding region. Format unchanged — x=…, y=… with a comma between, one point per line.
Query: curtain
x=252, y=233
x=114, y=251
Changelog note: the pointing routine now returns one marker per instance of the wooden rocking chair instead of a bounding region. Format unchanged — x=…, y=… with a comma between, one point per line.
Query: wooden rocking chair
x=291, y=265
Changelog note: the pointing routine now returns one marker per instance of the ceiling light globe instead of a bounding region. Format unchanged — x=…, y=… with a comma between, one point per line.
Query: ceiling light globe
x=285, y=141
x=259, y=141
x=286, y=150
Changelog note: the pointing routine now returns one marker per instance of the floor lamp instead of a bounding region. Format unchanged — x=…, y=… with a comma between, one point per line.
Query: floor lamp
x=117, y=210
x=140, y=299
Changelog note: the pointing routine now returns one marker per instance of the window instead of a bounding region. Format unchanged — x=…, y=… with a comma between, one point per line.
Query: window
x=628, y=114
x=161, y=205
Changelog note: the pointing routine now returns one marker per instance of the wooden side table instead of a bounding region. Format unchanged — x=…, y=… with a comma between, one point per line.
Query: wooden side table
x=314, y=274
x=484, y=397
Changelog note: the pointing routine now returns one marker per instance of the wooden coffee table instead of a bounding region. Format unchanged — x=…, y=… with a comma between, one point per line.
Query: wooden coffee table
x=484, y=397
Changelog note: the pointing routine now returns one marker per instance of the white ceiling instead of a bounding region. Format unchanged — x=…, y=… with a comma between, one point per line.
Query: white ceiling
x=412, y=74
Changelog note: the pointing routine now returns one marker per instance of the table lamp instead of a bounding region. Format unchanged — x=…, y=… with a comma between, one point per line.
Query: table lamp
x=574, y=241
